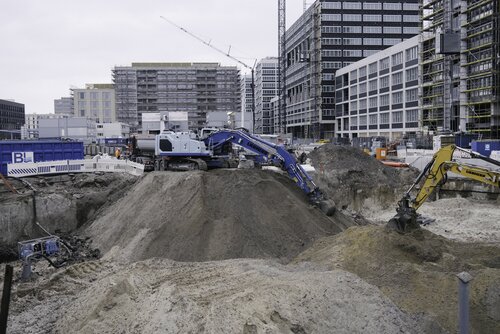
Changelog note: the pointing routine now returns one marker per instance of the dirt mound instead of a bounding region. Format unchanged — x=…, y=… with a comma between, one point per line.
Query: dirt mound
x=357, y=181
x=417, y=272
x=233, y=296
x=200, y=216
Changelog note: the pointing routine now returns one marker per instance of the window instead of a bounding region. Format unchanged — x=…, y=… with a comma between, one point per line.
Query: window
x=331, y=53
x=372, y=68
x=412, y=74
x=331, y=29
x=352, y=41
x=397, y=78
x=351, y=17
x=352, y=53
x=392, y=30
x=331, y=17
x=362, y=120
x=106, y=96
x=397, y=117
x=410, y=6
x=368, y=53
x=392, y=18
x=353, y=75
x=384, y=63
x=331, y=5
x=397, y=97
x=384, y=118
x=331, y=65
x=362, y=71
x=411, y=30
x=94, y=96
x=412, y=115
x=372, y=18
x=82, y=95
x=412, y=95
x=354, y=105
x=372, y=85
x=397, y=58
x=354, y=121
x=372, y=102
x=392, y=41
x=384, y=82
x=352, y=5
x=384, y=100
x=372, y=30
x=362, y=88
x=362, y=104
x=354, y=90
x=81, y=104
x=372, y=41
x=412, y=53
x=373, y=6
x=410, y=18
x=351, y=29
x=331, y=41
x=392, y=6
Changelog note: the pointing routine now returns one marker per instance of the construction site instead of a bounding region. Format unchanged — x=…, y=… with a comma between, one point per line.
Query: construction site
x=252, y=250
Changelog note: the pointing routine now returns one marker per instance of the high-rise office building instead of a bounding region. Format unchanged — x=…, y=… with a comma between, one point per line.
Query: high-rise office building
x=460, y=67
x=196, y=88
x=378, y=95
x=331, y=35
x=246, y=119
x=266, y=88
x=11, y=119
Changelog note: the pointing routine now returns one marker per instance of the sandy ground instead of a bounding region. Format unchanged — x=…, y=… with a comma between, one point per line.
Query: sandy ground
x=232, y=296
x=461, y=219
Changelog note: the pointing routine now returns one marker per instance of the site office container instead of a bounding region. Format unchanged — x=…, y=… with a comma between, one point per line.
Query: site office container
x=485, y=147
x=38, y=150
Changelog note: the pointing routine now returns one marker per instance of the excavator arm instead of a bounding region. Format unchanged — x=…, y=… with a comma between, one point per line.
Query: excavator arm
x=278, y=156
x=435, y=175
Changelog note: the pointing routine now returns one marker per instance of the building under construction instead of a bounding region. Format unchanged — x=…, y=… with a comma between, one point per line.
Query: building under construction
x=195, y=88
x=328, y=36
x=460, y=67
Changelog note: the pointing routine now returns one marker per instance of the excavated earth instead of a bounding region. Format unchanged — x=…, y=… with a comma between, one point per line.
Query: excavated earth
x=356, y=181
x=222, y=214
x=63, y=203
x=242, y=251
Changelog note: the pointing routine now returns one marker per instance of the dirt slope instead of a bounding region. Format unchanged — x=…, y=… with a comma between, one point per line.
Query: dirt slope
x=417, y=271
x=357, y=181
x=233, y=296
x=200, y=216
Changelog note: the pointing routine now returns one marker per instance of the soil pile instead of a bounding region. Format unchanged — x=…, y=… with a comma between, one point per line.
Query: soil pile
x=201, y=216
x=233, y=296
x=357, y=181
x=418, y=271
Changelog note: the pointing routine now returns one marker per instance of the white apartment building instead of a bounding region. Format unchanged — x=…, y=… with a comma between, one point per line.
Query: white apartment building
x=379, y=95
x=112, y=130
x=96, y=102
x=32, y=124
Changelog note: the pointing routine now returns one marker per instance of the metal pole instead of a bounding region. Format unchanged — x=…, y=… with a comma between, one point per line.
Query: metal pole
x=463, y=302
x=4, y=309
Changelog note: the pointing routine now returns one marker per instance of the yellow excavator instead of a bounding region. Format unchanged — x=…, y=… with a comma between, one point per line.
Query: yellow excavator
x=435, y=175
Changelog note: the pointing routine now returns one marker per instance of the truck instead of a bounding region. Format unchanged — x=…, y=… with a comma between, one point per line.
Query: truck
x=211, y=148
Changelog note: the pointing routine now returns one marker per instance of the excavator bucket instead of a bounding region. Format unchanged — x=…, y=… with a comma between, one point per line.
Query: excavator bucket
x=328, y=207
x=404, y=222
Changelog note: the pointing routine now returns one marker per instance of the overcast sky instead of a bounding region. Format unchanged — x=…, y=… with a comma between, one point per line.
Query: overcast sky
x=48, y=46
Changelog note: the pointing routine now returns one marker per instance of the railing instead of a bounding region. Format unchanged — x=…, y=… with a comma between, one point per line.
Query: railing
x=74, y=166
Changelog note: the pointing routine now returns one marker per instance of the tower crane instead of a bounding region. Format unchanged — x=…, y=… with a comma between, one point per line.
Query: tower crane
x=251, y=68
